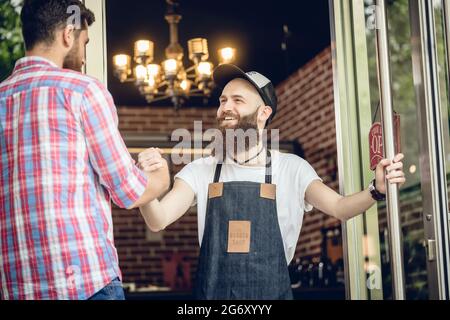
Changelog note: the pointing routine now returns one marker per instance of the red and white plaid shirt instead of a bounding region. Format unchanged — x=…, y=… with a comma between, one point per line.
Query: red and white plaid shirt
x=62, y=160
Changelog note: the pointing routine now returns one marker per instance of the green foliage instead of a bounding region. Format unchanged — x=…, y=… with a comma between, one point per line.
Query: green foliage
x=11, y=42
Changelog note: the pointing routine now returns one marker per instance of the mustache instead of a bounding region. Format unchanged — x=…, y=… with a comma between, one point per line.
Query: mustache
x=227, y=114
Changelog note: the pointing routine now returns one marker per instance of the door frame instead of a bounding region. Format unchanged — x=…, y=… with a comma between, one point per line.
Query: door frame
x=96, y=51
x=432, y=157
x=352, y=110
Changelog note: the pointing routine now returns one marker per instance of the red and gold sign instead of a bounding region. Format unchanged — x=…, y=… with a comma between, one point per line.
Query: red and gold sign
x=376, y=141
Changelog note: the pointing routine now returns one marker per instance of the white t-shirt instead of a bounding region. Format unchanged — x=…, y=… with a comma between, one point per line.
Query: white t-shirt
x=290, y=173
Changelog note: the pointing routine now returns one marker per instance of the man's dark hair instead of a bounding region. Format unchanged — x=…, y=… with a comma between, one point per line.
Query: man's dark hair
x=41, y=18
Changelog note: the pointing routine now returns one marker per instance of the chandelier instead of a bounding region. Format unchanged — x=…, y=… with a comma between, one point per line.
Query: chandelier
x=170, y=79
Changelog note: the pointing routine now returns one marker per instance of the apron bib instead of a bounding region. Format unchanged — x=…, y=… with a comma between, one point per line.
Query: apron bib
x=242, y=253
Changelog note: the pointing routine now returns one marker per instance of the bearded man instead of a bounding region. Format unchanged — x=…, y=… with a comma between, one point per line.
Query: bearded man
x=251, y=199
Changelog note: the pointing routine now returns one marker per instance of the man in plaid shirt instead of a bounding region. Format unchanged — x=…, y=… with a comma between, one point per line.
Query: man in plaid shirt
x=62, y=161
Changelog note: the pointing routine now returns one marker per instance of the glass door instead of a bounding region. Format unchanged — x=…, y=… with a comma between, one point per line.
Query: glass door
x=410, y=195
x=418, y=59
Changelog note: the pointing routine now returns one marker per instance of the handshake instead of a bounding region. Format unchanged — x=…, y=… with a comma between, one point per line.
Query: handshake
x=157, y=170
x=151, y=160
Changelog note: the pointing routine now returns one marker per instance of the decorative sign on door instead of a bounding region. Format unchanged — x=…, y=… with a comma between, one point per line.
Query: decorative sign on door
x=376, y=141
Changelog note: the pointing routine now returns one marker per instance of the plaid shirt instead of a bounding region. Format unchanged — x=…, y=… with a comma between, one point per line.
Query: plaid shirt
x=62, y=161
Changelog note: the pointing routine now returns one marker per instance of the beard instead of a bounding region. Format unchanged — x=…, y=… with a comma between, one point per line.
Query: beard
x=73, y=61
x=239, y=137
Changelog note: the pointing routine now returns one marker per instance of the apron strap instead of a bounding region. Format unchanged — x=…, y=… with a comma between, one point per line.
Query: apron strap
x=268, y=168
x=268, y=175
x=218, y=171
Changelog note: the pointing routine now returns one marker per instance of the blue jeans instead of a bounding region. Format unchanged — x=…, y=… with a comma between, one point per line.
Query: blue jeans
x=113, y=291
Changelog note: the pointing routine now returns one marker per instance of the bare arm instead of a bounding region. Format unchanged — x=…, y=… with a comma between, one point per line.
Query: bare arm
x=330, y=202
x=343, y=208
x=159, y=214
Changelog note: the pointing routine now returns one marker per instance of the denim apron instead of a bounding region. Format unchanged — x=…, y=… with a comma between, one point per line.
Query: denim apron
x=242, y=252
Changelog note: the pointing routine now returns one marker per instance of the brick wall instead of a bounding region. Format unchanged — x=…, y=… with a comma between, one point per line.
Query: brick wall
x=305, y=114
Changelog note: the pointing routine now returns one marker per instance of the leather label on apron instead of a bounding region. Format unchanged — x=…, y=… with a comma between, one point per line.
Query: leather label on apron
x=268, y=191
x=239, y=236
x=215, y=190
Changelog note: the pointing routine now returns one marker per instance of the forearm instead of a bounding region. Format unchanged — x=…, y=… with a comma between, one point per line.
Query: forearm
x=158, y=183
x=160, y=214
x=154, y=215
x=330, y=202
x=353, y=205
